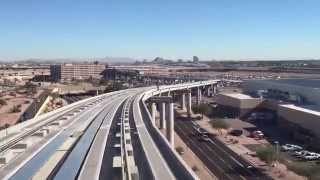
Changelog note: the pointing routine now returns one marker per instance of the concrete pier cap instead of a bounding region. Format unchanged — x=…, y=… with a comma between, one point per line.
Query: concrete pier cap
x=182, y=93
x=166, y=119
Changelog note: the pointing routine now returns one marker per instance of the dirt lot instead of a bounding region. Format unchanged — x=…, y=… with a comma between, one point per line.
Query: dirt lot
x=8, y=117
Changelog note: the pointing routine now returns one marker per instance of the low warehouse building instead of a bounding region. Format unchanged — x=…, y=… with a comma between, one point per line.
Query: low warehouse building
x=300, y=123
x=236, y=104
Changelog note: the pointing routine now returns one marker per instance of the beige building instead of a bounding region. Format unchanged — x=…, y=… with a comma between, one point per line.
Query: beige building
x=65, y=72
x=237, y=104
x=300, y=123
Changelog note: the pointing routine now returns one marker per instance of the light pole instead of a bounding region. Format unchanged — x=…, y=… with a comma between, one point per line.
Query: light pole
x=277, y=150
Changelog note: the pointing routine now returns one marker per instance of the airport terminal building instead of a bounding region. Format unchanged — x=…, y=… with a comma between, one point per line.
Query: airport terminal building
x=299, y=123
x=295, y=106
x=297, y=91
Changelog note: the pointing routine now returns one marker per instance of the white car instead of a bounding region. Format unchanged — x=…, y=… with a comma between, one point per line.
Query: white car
x=307, y=155
x=301, y=153
x=311, y=157
x=291, y=147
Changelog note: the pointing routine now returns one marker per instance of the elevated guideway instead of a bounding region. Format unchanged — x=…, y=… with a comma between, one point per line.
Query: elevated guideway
x=105, y=136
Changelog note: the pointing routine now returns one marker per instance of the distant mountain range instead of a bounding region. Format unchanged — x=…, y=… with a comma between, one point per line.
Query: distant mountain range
x=112, y=60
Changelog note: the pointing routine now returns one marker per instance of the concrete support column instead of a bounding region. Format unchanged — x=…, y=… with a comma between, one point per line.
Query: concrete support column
x=189, y=104
x=208, y=91
x=153, y=113
x=183, y=101
x=170, y=124
x=172, y=95
x=199, y=95
x=214, y=89
x=162, y=115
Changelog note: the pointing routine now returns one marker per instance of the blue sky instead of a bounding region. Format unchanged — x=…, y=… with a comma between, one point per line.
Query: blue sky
x=210, y=29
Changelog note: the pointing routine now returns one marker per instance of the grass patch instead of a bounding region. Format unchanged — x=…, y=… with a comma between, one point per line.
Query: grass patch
x=267, y=154
x=307, y=169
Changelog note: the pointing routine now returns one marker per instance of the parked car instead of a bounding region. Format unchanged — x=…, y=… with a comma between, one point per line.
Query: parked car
x=202, y=131
x=236, y=132
x=204, y=138
x=300, y=153
x=291, y=147
x=257, y=134
x=311, y=157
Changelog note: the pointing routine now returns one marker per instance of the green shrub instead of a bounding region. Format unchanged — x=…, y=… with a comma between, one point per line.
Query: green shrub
x=219, y=124
x=203, y=109
x=180, y=150
x=3, y=102
x=195, y=168
x=15, y=109
x=55, y=95
x=267, y=154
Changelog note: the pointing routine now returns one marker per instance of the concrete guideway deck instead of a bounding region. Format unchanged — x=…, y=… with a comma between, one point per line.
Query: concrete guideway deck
x=92, y=165
x=73, y=163
x=19, y=131
x=158, y=165
x=40, y=157
x=77, y=149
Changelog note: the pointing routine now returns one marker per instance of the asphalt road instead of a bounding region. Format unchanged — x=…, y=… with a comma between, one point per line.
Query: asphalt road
x=219, y=159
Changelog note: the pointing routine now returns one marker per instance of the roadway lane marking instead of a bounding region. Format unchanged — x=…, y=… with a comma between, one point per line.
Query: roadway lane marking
x=236, y=161
x=231, y=157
